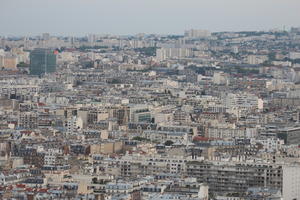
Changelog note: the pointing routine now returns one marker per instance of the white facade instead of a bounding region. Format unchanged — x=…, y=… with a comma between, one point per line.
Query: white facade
x=172, y=53
x=243, y=101
x=197, y=33
x=291, y=182
x=256, y=59
x=220, y=78
x=271, y=144
x=74, y=124
x=294, y=55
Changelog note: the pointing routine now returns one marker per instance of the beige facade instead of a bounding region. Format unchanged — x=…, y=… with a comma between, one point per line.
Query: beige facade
x=10, y=62
x=106, y=148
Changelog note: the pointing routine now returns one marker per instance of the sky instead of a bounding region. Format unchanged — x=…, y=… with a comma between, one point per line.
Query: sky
x=123, y=17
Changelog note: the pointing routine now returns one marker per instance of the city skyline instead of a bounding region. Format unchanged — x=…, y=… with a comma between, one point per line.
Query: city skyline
x=67, y=17
x=150, y=100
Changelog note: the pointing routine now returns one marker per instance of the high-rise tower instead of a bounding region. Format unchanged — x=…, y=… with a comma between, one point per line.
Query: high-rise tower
x=42, y=61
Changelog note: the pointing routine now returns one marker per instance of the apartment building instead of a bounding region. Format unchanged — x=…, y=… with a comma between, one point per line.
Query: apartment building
x=226, y=177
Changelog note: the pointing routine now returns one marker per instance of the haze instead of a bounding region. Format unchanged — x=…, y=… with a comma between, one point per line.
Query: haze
x=80, y=17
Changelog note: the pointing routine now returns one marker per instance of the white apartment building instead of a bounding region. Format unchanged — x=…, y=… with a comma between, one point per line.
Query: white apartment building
x=74, y=124
x=226, y=133
x=50, y=157
x=220, y=78
x=294, y=55
x=28, y=120
x=172, y=53
x=291, y=182
x=197, y=33
x=256, y=59
x=243, y=101
x=271, y=144
x=163, y=136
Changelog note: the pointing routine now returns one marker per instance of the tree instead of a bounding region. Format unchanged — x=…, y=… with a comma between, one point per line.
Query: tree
x=147, y=51
x=22, y=64
x=169, y=143
x=94, y=180
x=138, y=138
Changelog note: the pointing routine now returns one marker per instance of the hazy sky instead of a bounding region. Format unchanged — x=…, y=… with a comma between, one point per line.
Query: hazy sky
x=80, y=17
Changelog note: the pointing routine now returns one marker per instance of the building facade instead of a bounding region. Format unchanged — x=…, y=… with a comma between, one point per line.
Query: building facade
x=42, y=61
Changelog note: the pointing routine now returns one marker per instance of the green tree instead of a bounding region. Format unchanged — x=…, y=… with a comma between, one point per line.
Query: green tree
x=169, y=143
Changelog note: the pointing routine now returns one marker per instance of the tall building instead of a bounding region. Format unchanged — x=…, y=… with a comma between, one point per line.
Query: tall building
x=45, y=36
x=1, y=61
x=42, y=61
x=194, y=33
x=256, y=59
x=172, y=53
x=91, y=38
